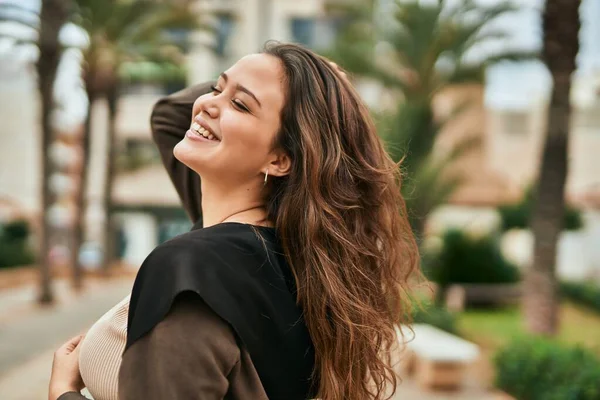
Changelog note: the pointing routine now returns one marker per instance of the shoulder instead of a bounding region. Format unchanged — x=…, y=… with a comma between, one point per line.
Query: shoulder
x=228, y=245
x=193, y=323
x=228, y=236
x=217, y=263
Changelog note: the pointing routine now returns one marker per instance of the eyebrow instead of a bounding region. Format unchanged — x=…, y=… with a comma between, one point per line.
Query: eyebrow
x=241, y=88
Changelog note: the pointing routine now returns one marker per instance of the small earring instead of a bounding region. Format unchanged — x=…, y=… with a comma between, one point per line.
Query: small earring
x=266, y=176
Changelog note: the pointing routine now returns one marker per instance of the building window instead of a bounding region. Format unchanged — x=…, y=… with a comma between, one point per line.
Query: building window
x=136, y=154
x=303, y=30
x=315, y=33
x=178, y=36
x=169, y=228
x=223, y=32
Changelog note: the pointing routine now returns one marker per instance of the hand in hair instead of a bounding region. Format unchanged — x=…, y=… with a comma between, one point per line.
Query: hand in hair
x=339, y=70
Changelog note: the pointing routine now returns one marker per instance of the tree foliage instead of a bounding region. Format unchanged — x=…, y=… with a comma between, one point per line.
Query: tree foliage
x=124, y=31
x=418, y=49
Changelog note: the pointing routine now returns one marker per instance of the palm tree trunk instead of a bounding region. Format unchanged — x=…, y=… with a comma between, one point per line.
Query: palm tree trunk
x=81, y=200
x=415, y=135
x=52, y=17
x=108, y=231
x=561, y=43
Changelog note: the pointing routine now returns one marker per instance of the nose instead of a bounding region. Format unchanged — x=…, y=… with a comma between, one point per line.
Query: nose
x=209, y=106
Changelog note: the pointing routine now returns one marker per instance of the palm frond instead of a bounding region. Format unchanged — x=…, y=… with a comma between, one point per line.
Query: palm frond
x=354, y=10
x=418, y=34
x=152, y=25
x=466, y=73
x=432, y=184
x=429, y=46
x=511, y=55
x=429, y=32
x=135, y=29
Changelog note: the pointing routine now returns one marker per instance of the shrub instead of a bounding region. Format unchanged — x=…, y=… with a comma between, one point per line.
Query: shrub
x=573, y=219
x=14, y=247
x=463, y=259
x=517, y=216
x=436, y=316
x=514, y=216
x=585, y=293
x=541, y=369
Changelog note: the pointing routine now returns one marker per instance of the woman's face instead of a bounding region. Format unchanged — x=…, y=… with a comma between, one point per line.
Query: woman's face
x=233, y=128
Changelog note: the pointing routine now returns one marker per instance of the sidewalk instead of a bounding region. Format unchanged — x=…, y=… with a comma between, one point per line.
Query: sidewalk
x=29, y=334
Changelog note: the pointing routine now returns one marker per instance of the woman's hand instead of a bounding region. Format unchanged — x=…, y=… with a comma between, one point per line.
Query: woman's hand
x=65, y=369
x=339, y=70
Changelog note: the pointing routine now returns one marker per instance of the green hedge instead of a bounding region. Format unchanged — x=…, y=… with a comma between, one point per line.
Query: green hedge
x=463, y=259
x=585, y=293
x=541, y=369
x=436, y=316
x=517, y=216
x=152, y=72
x=14, y=245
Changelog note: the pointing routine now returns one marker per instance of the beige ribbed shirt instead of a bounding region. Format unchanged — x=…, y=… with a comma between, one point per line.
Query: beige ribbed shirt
x=101, y=353
x=215, y=366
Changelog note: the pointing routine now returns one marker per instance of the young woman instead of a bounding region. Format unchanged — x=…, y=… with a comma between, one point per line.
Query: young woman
x=294, y=277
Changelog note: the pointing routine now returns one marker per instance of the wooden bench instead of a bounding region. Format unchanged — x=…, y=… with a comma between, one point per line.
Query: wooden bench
x=437, y=359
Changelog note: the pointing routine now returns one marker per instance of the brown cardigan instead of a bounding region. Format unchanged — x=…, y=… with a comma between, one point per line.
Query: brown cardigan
x=165, y=364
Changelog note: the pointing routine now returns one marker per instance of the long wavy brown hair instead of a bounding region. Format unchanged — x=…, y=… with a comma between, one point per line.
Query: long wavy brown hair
x=343, y=225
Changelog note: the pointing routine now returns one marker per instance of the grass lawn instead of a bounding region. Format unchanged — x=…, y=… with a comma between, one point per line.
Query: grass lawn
x=492, y=329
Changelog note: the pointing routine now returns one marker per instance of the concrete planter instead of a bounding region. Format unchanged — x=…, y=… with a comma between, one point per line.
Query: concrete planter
x=461, y=295
x=14, y=277
x=17, y=276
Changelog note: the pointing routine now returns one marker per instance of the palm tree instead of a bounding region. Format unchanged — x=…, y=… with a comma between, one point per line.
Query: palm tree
x=561, y=43
x=121, y=31
x=420, y=50
x=53, y=16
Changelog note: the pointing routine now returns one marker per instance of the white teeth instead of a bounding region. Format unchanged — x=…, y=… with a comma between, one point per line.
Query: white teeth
x=197, y=128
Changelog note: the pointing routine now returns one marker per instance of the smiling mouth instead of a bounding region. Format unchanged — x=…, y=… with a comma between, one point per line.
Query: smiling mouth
x=197, y=129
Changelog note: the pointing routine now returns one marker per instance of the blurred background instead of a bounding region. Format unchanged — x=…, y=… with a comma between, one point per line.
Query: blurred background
x=492, y=106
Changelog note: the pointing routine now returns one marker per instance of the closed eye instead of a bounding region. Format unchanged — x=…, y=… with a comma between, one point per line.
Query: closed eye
x=236, y=103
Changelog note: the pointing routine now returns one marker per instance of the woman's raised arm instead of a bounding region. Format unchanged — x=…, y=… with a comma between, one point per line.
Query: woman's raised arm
x=171, y=118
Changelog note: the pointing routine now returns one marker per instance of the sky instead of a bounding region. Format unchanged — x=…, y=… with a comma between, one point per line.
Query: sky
x=518, y=85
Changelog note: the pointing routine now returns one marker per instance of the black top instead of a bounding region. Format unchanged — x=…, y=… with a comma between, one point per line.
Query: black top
x=240, y=271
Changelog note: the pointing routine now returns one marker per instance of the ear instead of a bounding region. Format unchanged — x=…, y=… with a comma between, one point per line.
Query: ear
x=279, y=164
